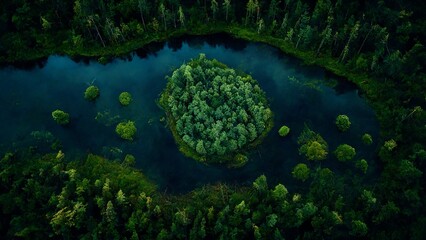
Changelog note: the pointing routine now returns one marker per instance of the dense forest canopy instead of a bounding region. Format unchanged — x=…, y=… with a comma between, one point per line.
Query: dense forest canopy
x=379, y=45
x=215, y=111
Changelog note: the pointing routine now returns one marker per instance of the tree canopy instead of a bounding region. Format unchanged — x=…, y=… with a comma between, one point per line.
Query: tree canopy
x=215, y=111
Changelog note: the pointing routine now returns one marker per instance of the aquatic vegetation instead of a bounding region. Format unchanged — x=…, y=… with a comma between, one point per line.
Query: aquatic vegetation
x=91, y=93
x=61, y=117
x=126, y=130
x=301, y=172
x=214, y=112
x=343, y=123
x=107, y=118
x=284, y=131
x=312, y=145
x=125, y=98
x=367, y=139
x=345, y=152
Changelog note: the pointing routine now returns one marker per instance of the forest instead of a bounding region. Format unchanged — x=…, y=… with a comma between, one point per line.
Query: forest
x=377, y=45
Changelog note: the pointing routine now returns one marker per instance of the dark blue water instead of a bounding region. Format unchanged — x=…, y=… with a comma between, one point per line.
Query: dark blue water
x=29, y=96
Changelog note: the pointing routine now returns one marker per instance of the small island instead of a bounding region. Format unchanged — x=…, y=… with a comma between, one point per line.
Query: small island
x=215, y=113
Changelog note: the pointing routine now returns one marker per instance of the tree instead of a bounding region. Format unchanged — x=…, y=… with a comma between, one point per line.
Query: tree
x=162, y=11
x=261, y=184
x=215, y=8
x=301, y=172
x=316, y=151
x=367, y=139
x=359, y=228
x=260, y=26
x=362, y=165
x=60, y=117
x=226, y=6
x=91, y=93
x=181, y=16
x=251, y=7
x=200, y=148
x=280, y=192
x=126, y=130
x=125, y=98
x=353, y=34
x=273, y=9
x=344, y=152
x=92, y=22
x=312, y=145
x=390, y=145
x=343, y=123
x=284, y=131
x=325, y=34
x=143, y=10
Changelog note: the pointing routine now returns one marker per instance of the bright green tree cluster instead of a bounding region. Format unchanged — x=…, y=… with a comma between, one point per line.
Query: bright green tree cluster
x=61, y=117
x=343, y=123
x=301, y=172
x=312, y=145
x=91, y=93
x=125, y=98
x=284, y=131
x=345, y=152
x=214, y=110
x=126, y=130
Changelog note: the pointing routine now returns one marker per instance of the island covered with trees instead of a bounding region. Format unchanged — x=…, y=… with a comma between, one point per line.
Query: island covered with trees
x=215, y=113
x=378, y=45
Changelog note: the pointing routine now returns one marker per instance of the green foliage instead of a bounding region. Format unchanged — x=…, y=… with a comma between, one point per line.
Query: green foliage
x=261, y=184
x=61, y=117
x=359, y=228
x=407, y=170
x=301, y=172
x=284, y=131
x=129, y=160
x=362, y=165
x=125, y=98
x=390, y=145
x=280, y=192
x=343, y=123
x=91, y=93
x=375, y=45
x=126, y=130
x=215, y=111
x=367, y=139
x=345, y=152
x=312, y=145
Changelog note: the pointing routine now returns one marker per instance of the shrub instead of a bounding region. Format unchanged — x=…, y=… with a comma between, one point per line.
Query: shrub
x=345, y=152
x=126, y=130
x=61, y=117
x=343, y=123
x=91, y=93
x=284, y=131
x=125, y=98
